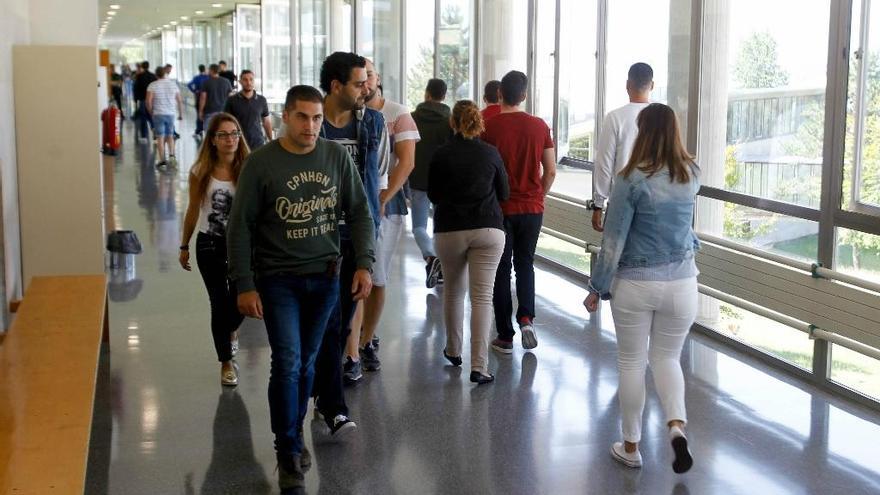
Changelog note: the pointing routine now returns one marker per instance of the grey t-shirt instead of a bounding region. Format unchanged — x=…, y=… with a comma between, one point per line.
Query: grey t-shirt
x=216, y=90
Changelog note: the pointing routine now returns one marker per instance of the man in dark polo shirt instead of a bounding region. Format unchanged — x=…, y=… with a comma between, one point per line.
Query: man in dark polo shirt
x=251, y=110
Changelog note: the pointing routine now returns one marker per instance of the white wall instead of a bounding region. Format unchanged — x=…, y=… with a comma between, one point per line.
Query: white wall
x=63, y=22
x=14, y=30
x=23, y=22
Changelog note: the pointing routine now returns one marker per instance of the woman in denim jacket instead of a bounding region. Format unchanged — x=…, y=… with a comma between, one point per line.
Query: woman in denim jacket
x=646, y=268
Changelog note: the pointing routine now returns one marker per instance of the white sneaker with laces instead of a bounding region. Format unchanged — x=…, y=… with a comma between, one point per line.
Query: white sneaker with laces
x=633, y=460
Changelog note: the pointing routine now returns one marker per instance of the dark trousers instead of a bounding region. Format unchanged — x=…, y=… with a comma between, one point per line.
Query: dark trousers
x=200, y=126
x=295, y=310
x=521, y=239
x=225, y=318
x=144, y=119
x=328, y=367
x=117, y=97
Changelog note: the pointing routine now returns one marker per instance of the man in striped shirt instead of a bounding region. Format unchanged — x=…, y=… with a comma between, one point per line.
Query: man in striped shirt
x=399, y=161
x=163, y=96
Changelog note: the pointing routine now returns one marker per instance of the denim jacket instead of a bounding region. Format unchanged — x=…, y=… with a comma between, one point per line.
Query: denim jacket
x=649, y=222
x=370, y=126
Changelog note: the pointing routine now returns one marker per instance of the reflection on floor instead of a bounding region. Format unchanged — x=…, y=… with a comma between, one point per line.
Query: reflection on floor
x=163, y=425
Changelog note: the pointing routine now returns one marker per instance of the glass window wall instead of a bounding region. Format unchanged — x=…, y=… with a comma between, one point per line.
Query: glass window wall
x=504, y=33
x=379, y=31
x=276, y=49
x=419, y=59
x=544, y=83
x=313, y=40
x=861, y=190
x=169, y=49
x=454, y=49
x=247, y=42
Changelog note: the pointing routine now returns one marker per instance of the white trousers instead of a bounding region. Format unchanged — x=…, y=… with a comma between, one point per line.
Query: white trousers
x=652, y=320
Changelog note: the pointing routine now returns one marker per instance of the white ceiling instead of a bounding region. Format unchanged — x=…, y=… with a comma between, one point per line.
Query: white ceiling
x=137, y=17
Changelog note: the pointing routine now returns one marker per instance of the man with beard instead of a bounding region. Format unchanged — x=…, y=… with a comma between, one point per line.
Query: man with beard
x=361, y=131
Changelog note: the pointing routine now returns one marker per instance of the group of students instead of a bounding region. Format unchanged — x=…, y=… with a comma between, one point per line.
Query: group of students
x=307, y=242
x=159, y=102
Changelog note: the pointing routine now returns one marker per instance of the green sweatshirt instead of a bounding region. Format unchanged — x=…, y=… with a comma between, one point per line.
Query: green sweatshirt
x=286, y=212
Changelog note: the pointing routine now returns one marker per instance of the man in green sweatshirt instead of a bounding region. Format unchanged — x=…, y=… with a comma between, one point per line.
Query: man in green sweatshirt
x=283, y=245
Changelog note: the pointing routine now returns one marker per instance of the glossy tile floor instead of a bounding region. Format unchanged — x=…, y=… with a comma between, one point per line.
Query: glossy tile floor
x=164, y=425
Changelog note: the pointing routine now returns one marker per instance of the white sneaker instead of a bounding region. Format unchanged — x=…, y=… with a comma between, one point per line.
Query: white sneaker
x=619, y=453
x=683, y=458
x=528, y=336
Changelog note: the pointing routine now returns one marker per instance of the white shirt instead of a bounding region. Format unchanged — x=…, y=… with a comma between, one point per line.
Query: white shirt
x=215, y=208
x=165, y=93
x=401, y=127
x=616, y=140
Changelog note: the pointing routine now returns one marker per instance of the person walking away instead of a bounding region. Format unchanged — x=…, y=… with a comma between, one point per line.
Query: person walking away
x=214, y=92
x=139, y=89
x=646, y=268
x=527, y=150
x=617, y=137
x=466, y=181
x=195, y=86
x=492, y=99
x=163, y=97
x=432, y=121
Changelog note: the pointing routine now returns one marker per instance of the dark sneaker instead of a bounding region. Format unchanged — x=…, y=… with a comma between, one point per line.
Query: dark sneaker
x=528, y=335
x=351, y=371
x=432, y=269
x=502, y=346
x=290, y=474
x=480, y=378
x=341, y=426
x=440, y=276
x=375, y=342
x=370, y=358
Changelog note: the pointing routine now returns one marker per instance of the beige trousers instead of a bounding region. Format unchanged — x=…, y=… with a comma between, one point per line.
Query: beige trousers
x=469, y=256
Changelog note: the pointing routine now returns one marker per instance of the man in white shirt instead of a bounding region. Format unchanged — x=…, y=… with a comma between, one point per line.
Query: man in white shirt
x=403, y=134
x=163, y=98
x=616, y=139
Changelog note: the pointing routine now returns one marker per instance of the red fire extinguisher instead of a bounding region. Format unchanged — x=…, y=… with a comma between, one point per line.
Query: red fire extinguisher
x=111, y=119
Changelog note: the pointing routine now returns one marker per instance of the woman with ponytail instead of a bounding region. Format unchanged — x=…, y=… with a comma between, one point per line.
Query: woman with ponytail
x=466, y=181
x=212, y=182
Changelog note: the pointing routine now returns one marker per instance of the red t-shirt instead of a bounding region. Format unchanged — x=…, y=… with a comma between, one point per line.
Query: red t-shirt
x=521, y=139
x=490, y=111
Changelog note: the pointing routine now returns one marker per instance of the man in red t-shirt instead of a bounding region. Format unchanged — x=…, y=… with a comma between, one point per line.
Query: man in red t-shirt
x=491, y=95
x=527, y=150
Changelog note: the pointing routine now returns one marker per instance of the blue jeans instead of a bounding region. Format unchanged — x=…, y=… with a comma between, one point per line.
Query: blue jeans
x=295, y=309
x=421, y=208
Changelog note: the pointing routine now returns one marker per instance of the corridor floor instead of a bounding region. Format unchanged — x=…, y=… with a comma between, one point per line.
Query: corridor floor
x=164, y=425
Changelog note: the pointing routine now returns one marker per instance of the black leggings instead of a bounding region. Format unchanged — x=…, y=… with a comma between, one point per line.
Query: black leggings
x=225, y=318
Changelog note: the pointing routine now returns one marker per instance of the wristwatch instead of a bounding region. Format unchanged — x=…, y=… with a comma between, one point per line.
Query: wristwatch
x=591, y=205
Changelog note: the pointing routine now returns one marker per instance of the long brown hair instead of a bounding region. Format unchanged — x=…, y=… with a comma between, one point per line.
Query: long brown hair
x=658, y=145
x=208, y=157
x=467, y=119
